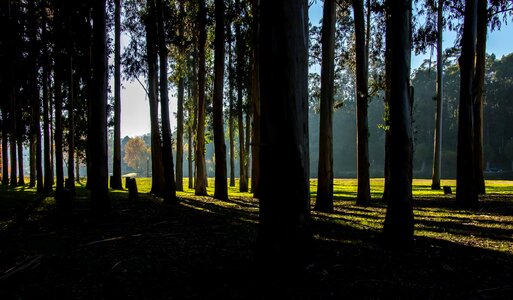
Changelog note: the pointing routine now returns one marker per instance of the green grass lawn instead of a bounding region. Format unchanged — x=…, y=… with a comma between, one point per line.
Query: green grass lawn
x=203, y=248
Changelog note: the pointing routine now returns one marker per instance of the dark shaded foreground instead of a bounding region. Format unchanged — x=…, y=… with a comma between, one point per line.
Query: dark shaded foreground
x=200, y=249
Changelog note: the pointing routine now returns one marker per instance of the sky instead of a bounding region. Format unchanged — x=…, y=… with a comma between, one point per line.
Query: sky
x=135, y=115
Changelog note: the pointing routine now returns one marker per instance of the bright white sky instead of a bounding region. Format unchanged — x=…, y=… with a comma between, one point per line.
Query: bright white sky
x=135, y=116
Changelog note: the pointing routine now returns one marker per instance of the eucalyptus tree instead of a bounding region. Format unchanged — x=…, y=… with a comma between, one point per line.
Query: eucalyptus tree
x=284, y=236
x=398, y=226
x=324, y=201
x=116, y=160
x=221, y=188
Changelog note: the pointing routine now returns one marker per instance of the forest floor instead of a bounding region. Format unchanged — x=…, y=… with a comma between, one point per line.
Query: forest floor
x=204, y=249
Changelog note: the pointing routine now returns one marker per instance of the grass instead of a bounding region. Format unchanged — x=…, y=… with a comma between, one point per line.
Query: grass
x=203, y=248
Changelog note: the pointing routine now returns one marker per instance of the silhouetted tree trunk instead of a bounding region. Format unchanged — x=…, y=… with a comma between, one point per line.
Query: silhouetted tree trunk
x=157, y=167
x=479, y=81
x=437, y=155
x=324, y=201
x=201, y=183
x=21, y=176
x=255, y=99
x=191, y=159
x=12, y=137
x=388, y=74
x=231, y=108
x=100, y=203
x=47, y=184
x=243, y=179
x=179, y=135
x=116, y=162
x=71, y=106
x=5, y=150
x=59, y=168
x=284, y=235
x=167, y=149
x=398, y=227
x=466, y=192
x=362, y=76
x=221, y=188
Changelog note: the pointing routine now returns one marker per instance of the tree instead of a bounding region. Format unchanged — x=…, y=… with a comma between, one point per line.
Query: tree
x=100, y=204
x=116, y=162
x=255, y=100
x=284, y=235
x=437, y=155
x=231, y=107
x=201, y=183
x=167, y=147
x=136, y=154
x=324, y=200
x=221, y=188
x=398, y=227
x=362, y=75
x=48, y=170
x=466, y=192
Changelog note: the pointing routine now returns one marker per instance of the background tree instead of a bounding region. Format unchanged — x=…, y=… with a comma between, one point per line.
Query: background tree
x=136, y=154
x=116, y=164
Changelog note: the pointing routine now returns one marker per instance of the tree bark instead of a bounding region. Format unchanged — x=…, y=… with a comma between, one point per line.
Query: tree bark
x=116, y=161
x=362, y=76
x=100, y=203
x=5, y=150
x=201, y=183
x=466, y=192
x=479, y=81
x=437, y=155
x=191, y=160
x=324, y=201
x=12, y=137
x=388, y=74
x=398, y=227
x=221, y=188
x=71, y=107
x=157, y=167
x=167, y=149
x=231, y=108
x=179, y=135
x=21, y=178
x=284, y=224
x=255, y=100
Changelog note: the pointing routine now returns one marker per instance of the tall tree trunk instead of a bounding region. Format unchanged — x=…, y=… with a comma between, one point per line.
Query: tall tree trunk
x=362, y=76
x=157, y=167
x=116, y=160
x=100, y=203
x=59, y=168
x=437, y=149
x=179, y=135
x=247, y=144
x=388, y=74
x=466, y=192
x=243, y=180
x=221, y=188
x=47, y=184
x=5, y=150
x=77, y=168
x=32, y=152
x=201, y=183
x=21, y=178
x=479, y=81
x=167, y=149
x=398, y=227
x=324, y=201
x=231, y=108
x=35, y=155
x=190, y=158
x=284, y=234
x=71, y=107
x=12, y=137
x=255, y=100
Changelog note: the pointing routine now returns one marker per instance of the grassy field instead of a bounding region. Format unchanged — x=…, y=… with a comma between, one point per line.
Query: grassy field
x=204, y=248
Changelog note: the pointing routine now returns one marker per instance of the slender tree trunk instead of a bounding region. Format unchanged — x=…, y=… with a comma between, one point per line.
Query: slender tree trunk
x=201, y=184
x=221, y=188
x=284, y=235
x=324, y=201
x=100, y=203
x=179, y=135
x=47, y=184
x=247, y=144
x=21, y=178
x=116, y=160
x=190, y=159
x=255, y=101
x=52, y=146
x=362, y=76
x=388, y=74
x=231, y=108
x=59, y=169
x=71, y=110
x=194, y=107
x=158, y=181
x=479, y=81
x=167, y=149
x=243, y=181
x=12, y=137
x=77, y=168
x=466, y=192
x=5, y=150
x=32, y=152
x=437, y=155
x=398, y=227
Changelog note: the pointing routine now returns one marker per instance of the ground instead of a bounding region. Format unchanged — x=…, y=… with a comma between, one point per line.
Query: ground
x=204, y=249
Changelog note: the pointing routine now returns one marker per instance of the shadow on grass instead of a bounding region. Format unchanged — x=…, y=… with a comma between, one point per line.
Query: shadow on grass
x=204, y=249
